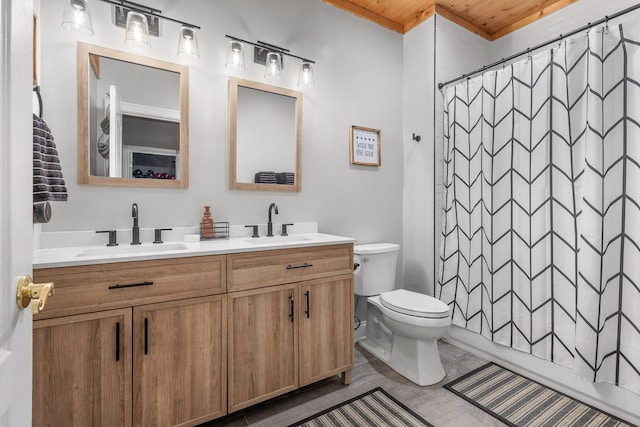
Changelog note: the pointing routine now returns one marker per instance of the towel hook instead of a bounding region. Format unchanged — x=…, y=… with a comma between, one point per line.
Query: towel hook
x=36, y=89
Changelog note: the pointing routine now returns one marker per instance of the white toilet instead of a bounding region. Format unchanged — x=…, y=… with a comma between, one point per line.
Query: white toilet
x=402, y=326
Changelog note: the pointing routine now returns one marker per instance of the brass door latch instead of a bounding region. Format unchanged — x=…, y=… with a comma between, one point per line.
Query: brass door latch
x=33, y=295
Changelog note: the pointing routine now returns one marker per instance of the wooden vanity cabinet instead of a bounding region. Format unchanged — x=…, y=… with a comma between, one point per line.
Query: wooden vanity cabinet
x=179, y=362
x=78, y=378
x=325, y=310
x=180, y=341
x=82, y=370
x=263, y=345
x=286, y=335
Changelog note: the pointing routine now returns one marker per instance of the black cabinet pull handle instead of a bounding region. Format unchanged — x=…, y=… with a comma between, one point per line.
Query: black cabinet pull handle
x=306, y=295
x=146, y=336
x=305, y=265
x=117, y=341
x=130, y=285
x=291, y=307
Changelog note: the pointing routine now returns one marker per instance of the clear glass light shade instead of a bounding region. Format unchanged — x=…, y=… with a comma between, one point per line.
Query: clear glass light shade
x=76, y=16
x=137, y=30
x=305, y=76
x=235, y=57
x=273, y=66
x=188, y=42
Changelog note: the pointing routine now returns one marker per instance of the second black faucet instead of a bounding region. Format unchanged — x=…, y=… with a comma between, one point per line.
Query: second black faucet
x=135, y=240
x=270, y=224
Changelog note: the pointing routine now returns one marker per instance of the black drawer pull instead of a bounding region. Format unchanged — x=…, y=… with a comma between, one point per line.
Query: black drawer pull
x=130, y=285
x=291, y=307
x=146, y=336
x=117, y=341
x=307, y=311
x=305, y=265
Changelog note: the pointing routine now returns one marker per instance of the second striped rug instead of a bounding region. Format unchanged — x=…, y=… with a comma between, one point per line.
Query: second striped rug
x=375, y=408
x=519, y=401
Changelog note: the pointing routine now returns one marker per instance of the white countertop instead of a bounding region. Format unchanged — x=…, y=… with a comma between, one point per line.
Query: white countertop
x=87, y=255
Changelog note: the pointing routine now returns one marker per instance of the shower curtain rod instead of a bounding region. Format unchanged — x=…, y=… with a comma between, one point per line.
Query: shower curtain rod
x=541, y=45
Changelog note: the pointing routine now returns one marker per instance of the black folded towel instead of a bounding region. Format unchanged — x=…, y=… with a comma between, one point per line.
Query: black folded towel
x=289, y=178
x=48, y=182
x=265, y=177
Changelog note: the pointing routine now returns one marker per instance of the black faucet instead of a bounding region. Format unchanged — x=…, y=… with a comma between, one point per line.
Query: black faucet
x=136, y=230
x=270, y=224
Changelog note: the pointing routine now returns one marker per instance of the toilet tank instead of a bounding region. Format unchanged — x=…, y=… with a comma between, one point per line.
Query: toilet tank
x=377, y=268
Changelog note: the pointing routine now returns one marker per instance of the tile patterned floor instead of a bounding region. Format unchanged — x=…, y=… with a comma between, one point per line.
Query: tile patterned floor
x=437, y=405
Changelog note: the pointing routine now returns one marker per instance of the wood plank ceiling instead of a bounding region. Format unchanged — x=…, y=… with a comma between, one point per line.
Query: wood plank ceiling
x=490, y=19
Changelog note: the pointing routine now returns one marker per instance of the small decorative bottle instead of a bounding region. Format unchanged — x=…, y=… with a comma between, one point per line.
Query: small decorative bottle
x=206, y=228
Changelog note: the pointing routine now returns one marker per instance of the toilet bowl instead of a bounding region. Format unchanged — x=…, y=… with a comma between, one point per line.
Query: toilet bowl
x=402, y=326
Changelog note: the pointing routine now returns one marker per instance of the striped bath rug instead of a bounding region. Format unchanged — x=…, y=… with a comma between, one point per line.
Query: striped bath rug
x=374, y=408
x=519, y=401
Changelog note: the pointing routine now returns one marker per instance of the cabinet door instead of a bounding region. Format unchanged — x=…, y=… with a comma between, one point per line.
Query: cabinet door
x=263, y=358
x=180, y=359
x=326, y=328
x=82, y=370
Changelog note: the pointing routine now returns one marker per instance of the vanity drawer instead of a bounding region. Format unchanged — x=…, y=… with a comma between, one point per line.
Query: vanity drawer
x=266, y=268
x=88, y=288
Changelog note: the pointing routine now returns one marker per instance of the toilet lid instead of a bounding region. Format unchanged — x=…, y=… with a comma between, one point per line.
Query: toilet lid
x=375, y=248
x=414, y=304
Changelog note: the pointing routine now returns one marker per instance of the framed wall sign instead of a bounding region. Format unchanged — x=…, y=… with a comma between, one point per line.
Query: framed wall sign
x=364, y=146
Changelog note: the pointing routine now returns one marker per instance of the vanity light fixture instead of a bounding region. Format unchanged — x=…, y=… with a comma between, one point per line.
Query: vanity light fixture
x=188, y=42
x=273, y=66
x=139, y=20
x=272, y=58
x=76, y=16
x=305, y=76
x=235, y=58
x=137, y=33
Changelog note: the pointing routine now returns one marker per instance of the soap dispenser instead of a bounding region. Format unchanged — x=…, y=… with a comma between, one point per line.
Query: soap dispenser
x=206, y=227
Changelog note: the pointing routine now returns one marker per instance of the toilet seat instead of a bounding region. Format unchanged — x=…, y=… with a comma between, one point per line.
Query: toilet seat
x=414, y=304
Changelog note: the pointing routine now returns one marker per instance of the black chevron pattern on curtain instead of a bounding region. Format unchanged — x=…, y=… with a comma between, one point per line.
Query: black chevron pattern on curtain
x=608, y=287
x=539, y=248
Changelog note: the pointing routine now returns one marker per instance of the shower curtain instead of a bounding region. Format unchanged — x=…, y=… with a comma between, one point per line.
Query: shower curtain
x=540, y=245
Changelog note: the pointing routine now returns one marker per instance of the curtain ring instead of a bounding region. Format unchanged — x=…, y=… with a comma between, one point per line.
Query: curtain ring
x=606, y=23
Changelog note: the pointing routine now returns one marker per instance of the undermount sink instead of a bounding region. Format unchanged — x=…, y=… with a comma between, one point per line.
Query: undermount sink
x=130, y=249
x=277, y=239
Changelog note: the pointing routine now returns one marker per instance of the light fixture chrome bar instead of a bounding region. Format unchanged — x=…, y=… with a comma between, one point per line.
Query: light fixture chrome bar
x=273, y=48
x=141, y=6
x=147, y=11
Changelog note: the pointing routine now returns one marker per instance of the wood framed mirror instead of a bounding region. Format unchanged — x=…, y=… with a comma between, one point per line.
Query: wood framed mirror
x=133, y=119
x=265, y=137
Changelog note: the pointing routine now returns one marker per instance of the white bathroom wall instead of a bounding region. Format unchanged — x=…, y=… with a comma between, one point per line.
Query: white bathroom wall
x=434, y=51
x=417, y=118
x=358, y=82
x=459, y=53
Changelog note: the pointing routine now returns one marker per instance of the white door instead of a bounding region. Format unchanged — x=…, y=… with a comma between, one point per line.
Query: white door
x=115, y=133
x=15, y=209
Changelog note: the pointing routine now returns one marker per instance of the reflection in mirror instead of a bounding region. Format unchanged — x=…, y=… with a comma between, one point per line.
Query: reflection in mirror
x=132, y=119
x=265, y=136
